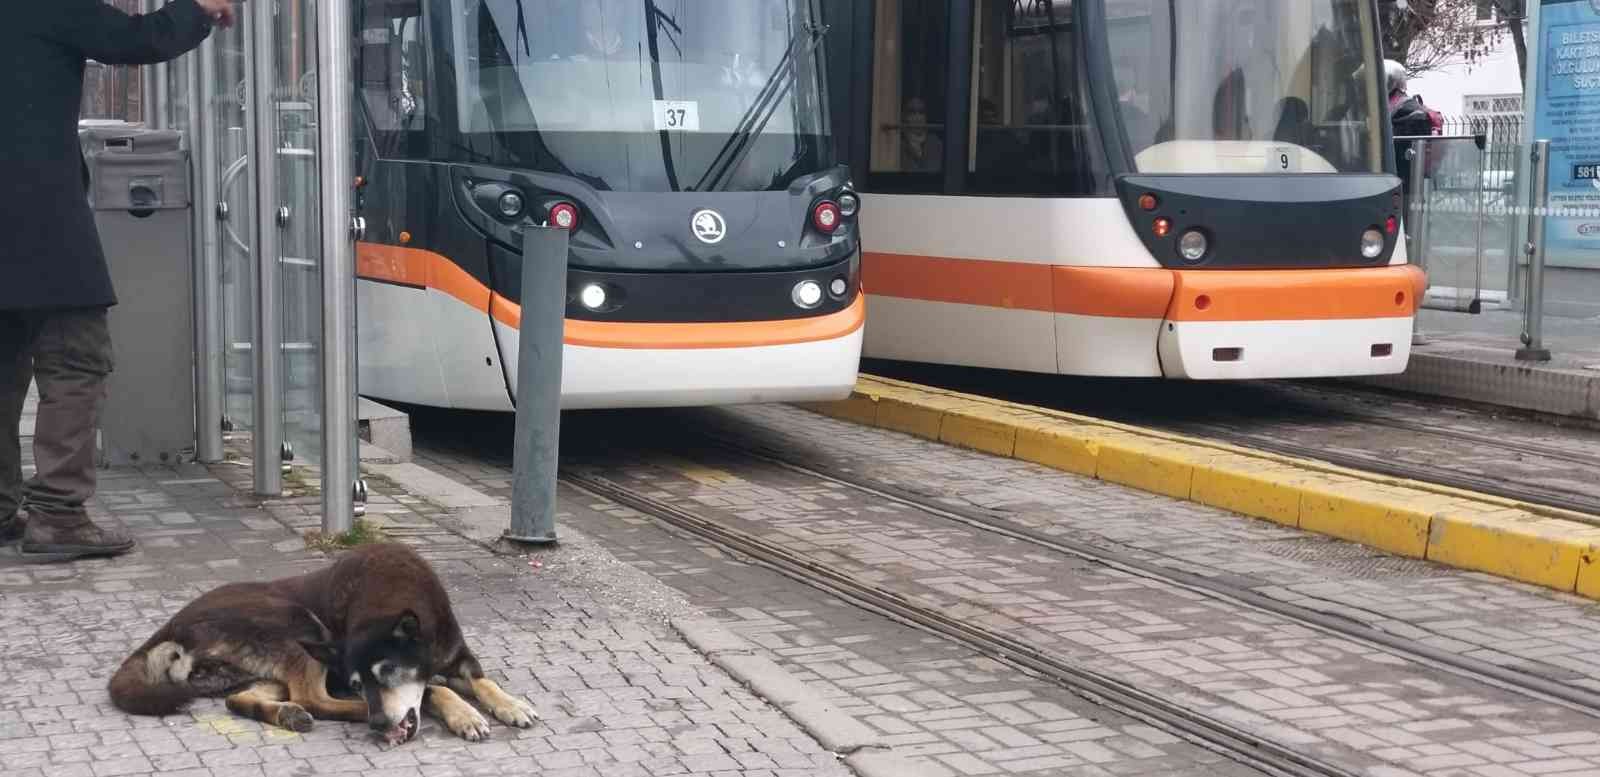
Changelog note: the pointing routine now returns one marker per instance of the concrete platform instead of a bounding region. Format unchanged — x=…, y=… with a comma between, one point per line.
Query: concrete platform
x=1473, y=358
x=1533, y=544
x=584, y=638
x=385, y=428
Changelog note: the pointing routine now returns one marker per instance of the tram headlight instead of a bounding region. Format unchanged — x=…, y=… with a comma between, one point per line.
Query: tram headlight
x=807, y=294
x=593, y=296
x=511, y=205
x=1371, y=243
x=849, y=204
x=838, y=286
x=1193, y=245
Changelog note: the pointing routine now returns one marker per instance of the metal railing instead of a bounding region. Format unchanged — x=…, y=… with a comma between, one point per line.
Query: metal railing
x=1539, y=207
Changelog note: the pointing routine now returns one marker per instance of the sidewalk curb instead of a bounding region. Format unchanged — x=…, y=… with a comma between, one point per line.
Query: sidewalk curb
x=1543, y=546
x=838, y=731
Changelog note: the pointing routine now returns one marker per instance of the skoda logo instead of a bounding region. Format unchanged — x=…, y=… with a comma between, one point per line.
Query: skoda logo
x=708, y=226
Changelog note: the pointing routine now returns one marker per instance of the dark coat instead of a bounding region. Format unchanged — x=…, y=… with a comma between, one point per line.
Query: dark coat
x=1409, y=118
x=50, y=253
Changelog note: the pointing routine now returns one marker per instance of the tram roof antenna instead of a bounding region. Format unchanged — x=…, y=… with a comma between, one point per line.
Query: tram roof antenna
x=755, y=117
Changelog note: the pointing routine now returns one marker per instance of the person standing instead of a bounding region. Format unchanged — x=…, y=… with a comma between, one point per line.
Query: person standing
x=55, y=288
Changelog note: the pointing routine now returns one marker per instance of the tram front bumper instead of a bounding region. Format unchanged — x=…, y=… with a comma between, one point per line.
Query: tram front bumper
x=686, y=365
x=1232, y=325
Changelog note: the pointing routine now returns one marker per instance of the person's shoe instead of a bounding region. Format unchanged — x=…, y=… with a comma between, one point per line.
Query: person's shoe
x=52, y=540
x=11, y=529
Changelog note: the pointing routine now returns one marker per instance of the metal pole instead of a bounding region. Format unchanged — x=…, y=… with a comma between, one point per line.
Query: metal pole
x=342, y=488
x=210, y=344
x=1418, y=206
x=269, y=454
x=1533, y=314
x=1419, y=201
x=1476, y=306
x=538, y=397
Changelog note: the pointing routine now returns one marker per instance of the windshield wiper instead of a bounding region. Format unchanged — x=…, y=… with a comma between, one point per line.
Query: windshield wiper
x=658, y=17
x=755, y=118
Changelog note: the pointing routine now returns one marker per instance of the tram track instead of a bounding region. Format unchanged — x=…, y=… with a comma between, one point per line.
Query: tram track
x=1526, y=681
x=1099, y=688
x=1587, y=508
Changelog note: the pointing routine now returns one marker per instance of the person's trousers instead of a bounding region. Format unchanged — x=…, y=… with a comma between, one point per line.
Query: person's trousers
x=69, y=353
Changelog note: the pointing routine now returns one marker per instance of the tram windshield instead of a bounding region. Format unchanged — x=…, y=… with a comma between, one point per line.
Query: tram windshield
x=643, y=95
x=1248, y=86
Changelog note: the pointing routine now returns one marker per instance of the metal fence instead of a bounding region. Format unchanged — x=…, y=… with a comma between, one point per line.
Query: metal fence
x=1467, y=208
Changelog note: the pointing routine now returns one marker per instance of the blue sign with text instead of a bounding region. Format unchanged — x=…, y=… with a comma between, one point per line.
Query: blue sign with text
x=1568, y=114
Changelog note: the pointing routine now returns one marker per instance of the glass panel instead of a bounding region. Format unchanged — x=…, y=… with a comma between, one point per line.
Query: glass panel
x=669, y=95
x=1034, y=133
x=1247, y=86
x=908, y=96
x=1458, y=240
x=235, y=191
x=300, y=234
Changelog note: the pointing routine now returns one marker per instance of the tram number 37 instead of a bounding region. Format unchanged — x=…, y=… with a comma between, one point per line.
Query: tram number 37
x=677, y=115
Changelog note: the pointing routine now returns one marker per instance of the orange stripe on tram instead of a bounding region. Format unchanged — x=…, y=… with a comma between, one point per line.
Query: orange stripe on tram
x=1151, y=293
x=426, y=269
x=669, y=336
x=1304, y=295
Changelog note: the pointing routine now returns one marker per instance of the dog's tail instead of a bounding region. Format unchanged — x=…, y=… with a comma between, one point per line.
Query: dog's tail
x=153, y=681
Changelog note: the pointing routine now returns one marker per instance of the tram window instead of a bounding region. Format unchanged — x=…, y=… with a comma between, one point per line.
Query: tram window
x=908, y=96
x=1247, y=86
x=394, y=76
x=1032, y=132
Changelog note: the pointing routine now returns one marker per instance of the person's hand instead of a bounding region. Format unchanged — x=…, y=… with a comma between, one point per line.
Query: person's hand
x=220, y=11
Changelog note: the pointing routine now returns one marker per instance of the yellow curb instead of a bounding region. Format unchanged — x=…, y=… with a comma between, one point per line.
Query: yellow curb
x=1535, y=544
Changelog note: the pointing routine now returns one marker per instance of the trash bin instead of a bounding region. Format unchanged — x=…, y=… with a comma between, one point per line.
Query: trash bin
x=139, y=188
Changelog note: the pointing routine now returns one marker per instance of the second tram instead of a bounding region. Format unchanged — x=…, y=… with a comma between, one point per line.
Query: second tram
x=1149, y=188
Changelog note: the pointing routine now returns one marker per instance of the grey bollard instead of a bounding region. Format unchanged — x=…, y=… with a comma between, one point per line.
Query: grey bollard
x=536, y=454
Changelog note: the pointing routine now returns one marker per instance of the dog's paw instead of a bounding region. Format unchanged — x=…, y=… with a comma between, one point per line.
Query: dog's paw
x=294, y=717
x=466, y=722
x=513, y=711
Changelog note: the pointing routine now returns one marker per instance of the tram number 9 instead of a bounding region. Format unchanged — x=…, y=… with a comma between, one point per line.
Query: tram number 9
x=682, y=115
x=1282, y=159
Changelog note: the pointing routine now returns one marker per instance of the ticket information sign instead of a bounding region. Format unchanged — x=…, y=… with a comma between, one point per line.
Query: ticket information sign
x=1566, y=101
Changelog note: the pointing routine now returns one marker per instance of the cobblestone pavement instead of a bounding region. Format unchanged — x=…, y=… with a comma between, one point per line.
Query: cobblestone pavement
x=581, y=636
x=1341, y=701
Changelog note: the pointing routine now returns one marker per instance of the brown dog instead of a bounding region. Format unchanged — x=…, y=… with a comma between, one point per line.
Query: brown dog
x=377, y=621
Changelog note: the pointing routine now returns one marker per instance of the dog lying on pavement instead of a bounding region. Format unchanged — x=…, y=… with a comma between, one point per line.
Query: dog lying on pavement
x=376, y=621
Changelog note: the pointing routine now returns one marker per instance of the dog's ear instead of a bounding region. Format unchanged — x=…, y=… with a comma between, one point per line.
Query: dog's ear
x=325, y=653
x=407, y=627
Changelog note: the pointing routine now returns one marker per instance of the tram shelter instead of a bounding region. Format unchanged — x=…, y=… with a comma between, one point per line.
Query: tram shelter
x=224, y=194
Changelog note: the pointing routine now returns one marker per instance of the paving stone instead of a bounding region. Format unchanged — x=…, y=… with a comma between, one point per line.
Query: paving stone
x=1281, y=679
x=644, y=701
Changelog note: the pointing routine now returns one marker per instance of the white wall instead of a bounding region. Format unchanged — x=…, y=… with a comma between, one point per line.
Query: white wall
x=1444, y=89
